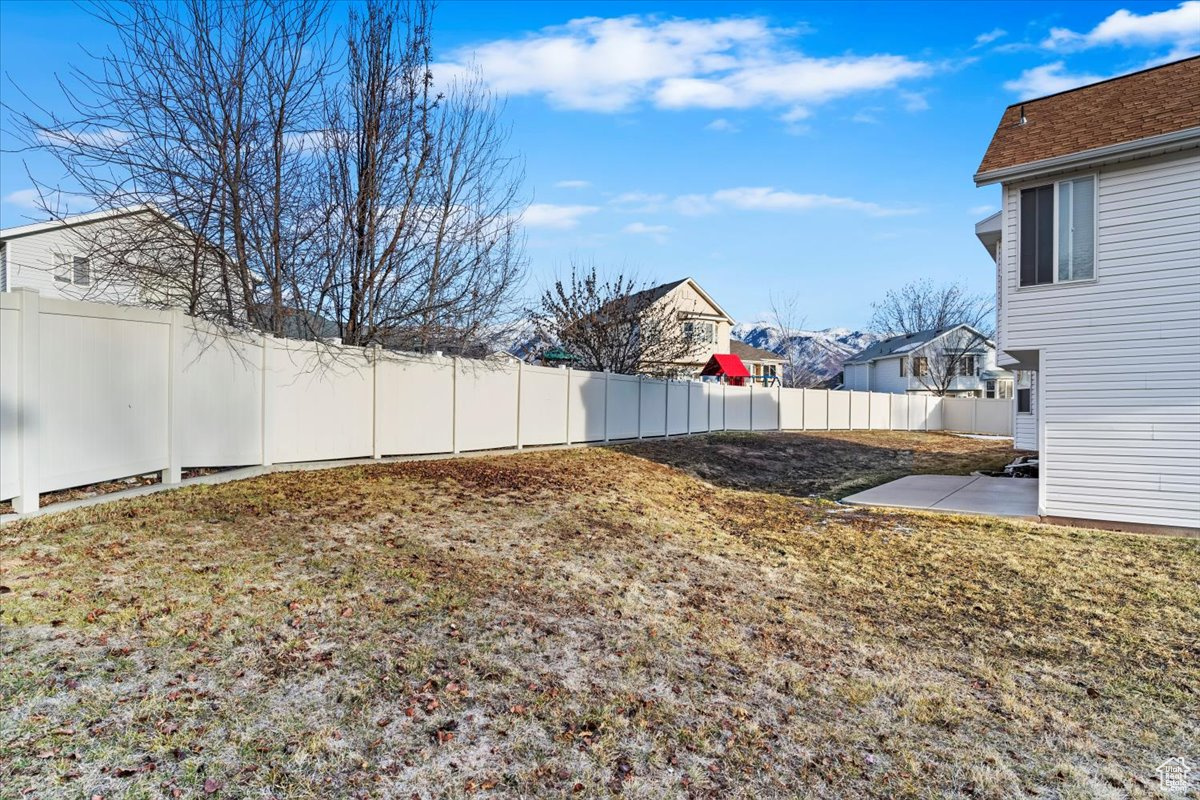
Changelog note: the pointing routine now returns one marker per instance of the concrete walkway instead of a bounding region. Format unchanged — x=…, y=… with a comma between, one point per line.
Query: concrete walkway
x=959, y=494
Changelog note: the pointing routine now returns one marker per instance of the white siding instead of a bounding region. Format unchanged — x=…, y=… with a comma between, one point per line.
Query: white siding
x=1025, y=426
x=31, y=259
x=856, y=377
x=1120, y=355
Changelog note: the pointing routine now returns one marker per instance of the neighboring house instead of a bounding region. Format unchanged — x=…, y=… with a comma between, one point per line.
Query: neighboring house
x=132, y=256
x=1097, y=253
x=701, y=320
x=954, y=362
x=764, y=366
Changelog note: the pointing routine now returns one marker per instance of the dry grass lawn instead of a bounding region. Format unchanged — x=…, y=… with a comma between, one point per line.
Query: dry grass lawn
x=583, y=623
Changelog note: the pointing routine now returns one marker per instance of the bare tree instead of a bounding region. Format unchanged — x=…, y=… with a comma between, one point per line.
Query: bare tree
x=924, y=306
x=789, y=323
x=613, y=324
x=938, y=364
x=196, y=112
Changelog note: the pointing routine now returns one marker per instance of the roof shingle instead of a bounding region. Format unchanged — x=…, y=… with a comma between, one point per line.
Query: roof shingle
x=1152, y=102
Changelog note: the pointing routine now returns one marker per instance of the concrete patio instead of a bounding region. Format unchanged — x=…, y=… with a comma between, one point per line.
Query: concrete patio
x=958, y=494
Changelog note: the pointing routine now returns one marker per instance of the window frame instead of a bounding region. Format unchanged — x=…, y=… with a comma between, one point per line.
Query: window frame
x=1055, y=214
x=1029, y=391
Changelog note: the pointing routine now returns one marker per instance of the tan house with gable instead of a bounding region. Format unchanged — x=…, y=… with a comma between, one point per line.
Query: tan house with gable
x=706, y=323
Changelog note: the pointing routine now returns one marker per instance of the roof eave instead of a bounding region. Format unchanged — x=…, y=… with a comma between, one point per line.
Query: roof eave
x=1146, y=146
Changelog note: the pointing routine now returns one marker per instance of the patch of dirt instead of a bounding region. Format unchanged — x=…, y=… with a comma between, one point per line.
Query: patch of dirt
x=830, y=465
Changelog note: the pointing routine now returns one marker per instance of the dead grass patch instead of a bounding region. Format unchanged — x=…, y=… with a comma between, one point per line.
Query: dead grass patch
x=583, y=623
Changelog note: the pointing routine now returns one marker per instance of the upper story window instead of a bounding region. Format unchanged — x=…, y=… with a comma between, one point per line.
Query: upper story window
x=75, y=270
x=920, y=366
x=904, y=366
x=1058, y=232
x=700, y=331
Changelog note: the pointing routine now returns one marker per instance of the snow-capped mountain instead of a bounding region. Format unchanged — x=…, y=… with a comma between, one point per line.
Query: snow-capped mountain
x=819, y=353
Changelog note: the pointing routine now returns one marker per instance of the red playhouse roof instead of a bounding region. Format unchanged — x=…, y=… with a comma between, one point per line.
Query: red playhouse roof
x=726, y=364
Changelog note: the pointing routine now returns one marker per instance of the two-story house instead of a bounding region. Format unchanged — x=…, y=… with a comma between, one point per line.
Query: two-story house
x=1097, y=254
x=130, y=256
x=954, y=362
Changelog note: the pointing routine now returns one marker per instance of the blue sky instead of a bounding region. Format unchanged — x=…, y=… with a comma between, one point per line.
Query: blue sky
x=822, y=149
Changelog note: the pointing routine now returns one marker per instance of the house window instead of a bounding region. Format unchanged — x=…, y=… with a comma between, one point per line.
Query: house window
x=920, y=366
x=74, y=270
x=1057, y=246
x=990, y=390
x=700, y=332
x=1004, y=390
x=967, y=366
x=903, y=367
x=1024, y=401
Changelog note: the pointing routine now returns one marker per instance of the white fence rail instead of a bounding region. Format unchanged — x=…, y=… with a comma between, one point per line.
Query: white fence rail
x=92, y=392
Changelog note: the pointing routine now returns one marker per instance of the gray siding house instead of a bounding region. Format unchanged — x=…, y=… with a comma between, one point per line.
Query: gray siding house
x=1097, y=254
x=909, y=364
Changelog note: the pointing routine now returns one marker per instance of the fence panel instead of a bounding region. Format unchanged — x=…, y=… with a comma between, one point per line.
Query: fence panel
x=880, y=411
x=958, y=413
x=624, y=407
x=993, y=416
x=543, y=405
x=485, y=406
x=219, y=388
x=791, y=409
x=737, y=408
x=839, y=410
x=321, y=402
x=654, y=408
x=816, y=409
x=697, y=408
x=765, y=401
x=415, y=404
x=898, y=415
x=716, y=405
x=587, y=406
x=677, y=407
x=860, y=411
x=103, y=396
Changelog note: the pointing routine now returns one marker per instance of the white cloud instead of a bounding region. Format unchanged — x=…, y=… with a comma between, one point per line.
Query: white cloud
x=1178, y=27
x=572, y=184
x=767, y=198
x=656, y=232
x=990, y=36
x=722, y=125
x=867, y=116
x=1048, y=79
x=548, y=215
x=639, y=202
x=24, y=198
x=976, y=211
x=614, y=64
x=914, y=101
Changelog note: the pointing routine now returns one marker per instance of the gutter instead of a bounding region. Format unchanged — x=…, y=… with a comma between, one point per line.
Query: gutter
x=1136, y=148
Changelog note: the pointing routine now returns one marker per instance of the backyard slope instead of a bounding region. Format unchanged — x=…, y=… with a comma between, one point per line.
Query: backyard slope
x=582, y=623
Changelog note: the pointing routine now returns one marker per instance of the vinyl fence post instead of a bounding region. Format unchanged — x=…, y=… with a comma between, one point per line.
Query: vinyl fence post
x=376, y=406
x=689, y=405
x=568, y=434
x=779, y=405
x=520, y=380
x=666, y=408
x=607, y=373
x=268, y=398
x=828, y=404
x=724, y=409
x=974, y=415
x=640, y=406
x=751, y=404
x=174, y=471
x=28, y=403
x=454, y=405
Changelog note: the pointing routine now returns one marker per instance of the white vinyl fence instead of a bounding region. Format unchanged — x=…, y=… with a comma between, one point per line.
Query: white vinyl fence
x=92, y=392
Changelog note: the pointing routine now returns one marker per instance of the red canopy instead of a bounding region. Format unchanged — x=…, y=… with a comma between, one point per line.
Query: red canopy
x=726, y=364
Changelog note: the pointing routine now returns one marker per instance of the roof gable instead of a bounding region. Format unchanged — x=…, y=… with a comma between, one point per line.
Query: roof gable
x=906, y=343
x=1154, y=102
x=657, y=293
